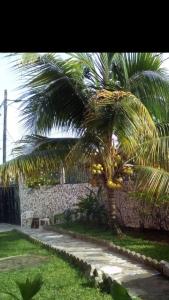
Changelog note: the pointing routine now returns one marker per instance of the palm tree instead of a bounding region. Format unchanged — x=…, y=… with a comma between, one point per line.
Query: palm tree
x=98, y=96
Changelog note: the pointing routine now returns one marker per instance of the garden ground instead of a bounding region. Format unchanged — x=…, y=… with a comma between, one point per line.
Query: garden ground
x=141, y=280
x=61, y=280
x=64, y=282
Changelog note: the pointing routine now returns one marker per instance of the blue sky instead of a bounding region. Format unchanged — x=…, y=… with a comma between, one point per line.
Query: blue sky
x=10, y=80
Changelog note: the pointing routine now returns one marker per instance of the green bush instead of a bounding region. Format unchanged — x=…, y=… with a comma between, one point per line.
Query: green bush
x=58, y=218
x=91, y=208
x=41, y=179
x=67, y=216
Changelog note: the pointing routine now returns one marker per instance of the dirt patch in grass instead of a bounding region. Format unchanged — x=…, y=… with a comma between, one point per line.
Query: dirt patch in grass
x=21, y=261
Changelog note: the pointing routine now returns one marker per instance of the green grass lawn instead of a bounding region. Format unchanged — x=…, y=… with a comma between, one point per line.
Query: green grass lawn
x=157, y=250
x=61, y=280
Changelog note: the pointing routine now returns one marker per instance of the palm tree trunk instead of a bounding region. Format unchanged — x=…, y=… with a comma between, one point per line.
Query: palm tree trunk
x=112, y=215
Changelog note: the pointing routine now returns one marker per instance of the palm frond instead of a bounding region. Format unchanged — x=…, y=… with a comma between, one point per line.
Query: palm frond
x=29, y=57
x=34, y=142
x=141, y=61
x=91, y=71
x=56, y=84
x=121, y=113
x=30, y=287
x=154, y=151
x=149, y=82
x=152, y=180
x=85, y=148
x=29, y=164
x=48, y=154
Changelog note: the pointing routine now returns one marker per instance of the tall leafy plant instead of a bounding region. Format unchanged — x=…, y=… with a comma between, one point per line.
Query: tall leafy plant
x=27, y=289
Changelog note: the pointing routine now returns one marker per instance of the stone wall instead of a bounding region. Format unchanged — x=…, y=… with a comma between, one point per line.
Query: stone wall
x=140, y=214
x=47, y=201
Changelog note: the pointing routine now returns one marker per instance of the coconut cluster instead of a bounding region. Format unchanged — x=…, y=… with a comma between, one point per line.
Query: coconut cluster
x=128, y=170
x=97, y=169
x=115, y=185
x=120, y=171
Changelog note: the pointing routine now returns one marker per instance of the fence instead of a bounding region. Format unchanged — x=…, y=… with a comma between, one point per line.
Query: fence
x=9, y=205
x=77, y=174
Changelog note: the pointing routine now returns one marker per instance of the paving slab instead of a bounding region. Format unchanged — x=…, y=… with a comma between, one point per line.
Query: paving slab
x=8, y=227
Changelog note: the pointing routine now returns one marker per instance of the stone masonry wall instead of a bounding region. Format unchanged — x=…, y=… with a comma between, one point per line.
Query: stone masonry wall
x=47, y=201
x=140, y=214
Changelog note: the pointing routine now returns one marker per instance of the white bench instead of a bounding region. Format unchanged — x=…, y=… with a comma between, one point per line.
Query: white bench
x=27, y=217
x=45, y=221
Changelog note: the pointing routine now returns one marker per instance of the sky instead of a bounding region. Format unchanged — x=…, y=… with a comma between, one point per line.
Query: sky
x=11, y=81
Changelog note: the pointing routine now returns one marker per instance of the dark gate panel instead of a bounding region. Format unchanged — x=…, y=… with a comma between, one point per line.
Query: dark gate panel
x=9, y=205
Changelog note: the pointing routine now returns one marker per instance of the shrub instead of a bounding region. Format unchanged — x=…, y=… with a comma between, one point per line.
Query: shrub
x=67, y=216
x=91, y=208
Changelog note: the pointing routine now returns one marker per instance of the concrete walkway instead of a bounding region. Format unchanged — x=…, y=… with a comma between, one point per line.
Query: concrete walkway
x=139, y=279
x=8, y=227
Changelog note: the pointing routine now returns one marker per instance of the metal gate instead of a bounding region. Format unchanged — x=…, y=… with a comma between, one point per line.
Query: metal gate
x=9, y=205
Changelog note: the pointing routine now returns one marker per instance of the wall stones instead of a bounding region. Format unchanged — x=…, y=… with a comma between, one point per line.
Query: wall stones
x=47, y=201
x=50, y=200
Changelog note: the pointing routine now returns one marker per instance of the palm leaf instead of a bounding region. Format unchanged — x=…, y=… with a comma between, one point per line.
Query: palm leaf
x=154, y=151
x=29, y=57
x=59, y=82
x=34, y=142
x=48, y=154
x=127, y=117
x=85, y=149
x=30, y=288
x=154, y=181
x=51, y=92
x=149, y=82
